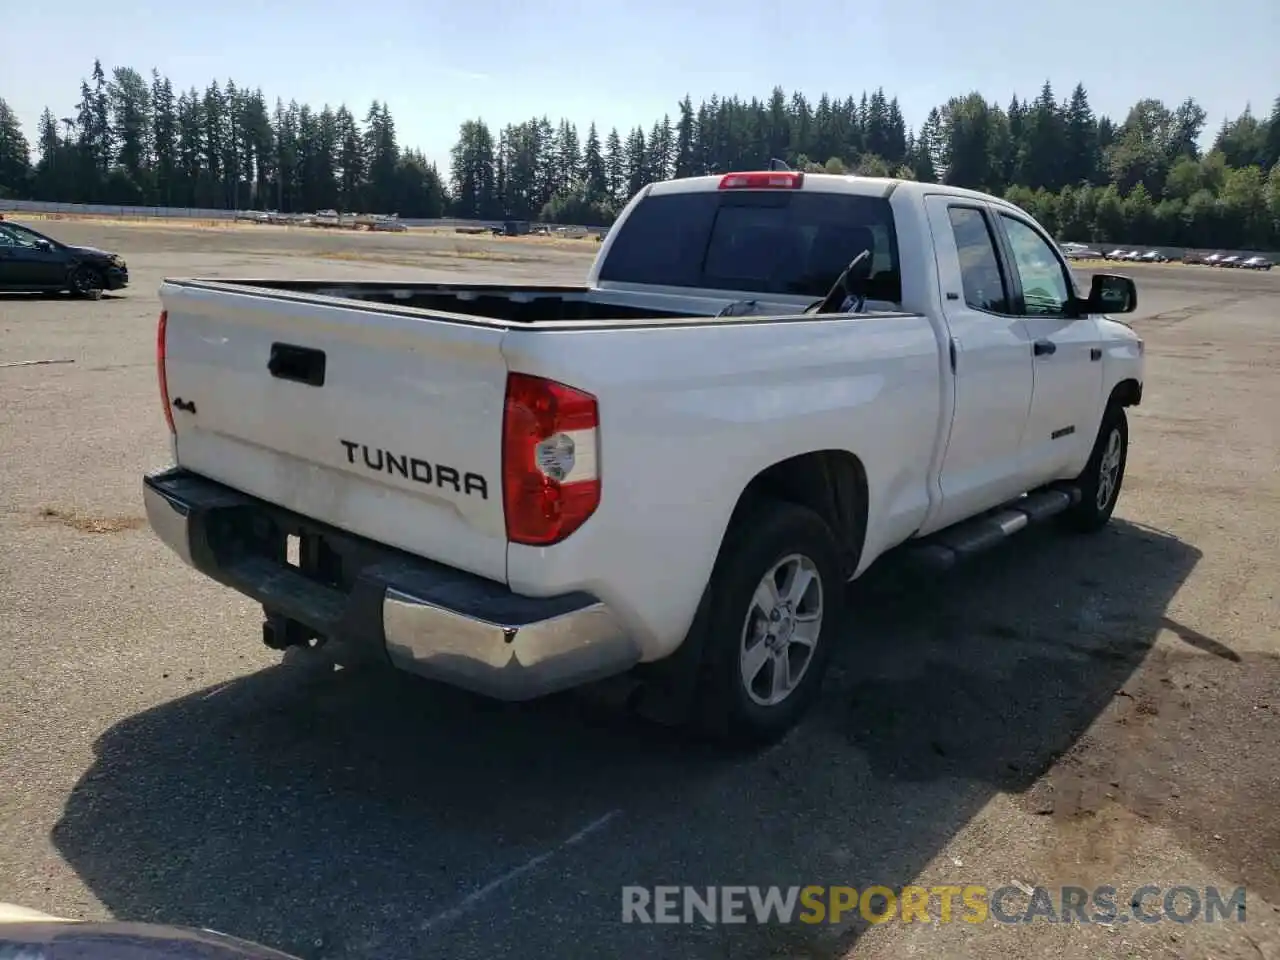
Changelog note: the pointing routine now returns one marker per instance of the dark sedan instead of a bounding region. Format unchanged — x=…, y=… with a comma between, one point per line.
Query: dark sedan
x=32, y=262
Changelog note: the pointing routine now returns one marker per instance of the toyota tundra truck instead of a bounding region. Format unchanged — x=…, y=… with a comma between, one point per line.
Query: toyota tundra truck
x=663, y=478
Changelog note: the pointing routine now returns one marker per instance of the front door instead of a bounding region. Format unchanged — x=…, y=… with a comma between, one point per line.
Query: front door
x=993, y=378
x=1066, y=399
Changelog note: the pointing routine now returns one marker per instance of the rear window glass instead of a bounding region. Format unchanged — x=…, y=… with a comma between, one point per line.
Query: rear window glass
x=763, y=241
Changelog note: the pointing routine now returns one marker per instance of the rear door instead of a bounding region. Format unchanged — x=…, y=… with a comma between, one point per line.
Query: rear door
x=380, y=421
x=992, y=362
x=1066, y=351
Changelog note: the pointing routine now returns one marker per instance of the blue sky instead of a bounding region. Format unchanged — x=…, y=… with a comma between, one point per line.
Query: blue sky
x=623, y=63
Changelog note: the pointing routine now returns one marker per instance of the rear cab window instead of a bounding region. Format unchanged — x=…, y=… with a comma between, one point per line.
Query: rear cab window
x=783, y=242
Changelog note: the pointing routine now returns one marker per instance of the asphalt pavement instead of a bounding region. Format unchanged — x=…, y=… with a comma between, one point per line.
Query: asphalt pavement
x=1098, y=710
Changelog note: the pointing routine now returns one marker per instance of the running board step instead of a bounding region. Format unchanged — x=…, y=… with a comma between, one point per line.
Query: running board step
x=945, y=549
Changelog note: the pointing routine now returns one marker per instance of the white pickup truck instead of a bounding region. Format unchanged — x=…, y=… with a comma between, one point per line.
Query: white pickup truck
x=665, y=475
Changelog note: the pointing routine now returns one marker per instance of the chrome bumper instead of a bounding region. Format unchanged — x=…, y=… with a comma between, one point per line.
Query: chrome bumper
x=424, y=617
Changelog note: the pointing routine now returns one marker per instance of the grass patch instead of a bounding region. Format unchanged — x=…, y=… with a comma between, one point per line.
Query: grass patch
x=572, y=243
x=538, y=240
x=138, y=221
x=88, y=523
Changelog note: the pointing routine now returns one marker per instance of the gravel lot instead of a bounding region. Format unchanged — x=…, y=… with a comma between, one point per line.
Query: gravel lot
x=1064, y=711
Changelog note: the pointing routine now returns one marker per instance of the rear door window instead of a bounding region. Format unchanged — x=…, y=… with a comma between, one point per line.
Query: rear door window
x=983, y=277
x=789, y=242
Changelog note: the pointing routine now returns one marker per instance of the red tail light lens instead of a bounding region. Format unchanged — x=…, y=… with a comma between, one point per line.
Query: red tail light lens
x=162, y=329
x=550, y=470
x=763, y=180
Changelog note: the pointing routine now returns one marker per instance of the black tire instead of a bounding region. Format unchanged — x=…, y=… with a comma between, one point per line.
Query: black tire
x=86, y=283
x=764, y=535
x=1094, y=509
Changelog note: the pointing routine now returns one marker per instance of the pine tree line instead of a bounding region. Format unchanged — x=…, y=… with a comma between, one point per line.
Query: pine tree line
x=133, y=141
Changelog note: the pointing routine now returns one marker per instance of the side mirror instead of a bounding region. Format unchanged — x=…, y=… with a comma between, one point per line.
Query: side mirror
x=1111, y=294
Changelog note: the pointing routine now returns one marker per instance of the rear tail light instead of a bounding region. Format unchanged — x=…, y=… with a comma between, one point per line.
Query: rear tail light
x=162, y=329
x=763, y=180
x=550, y=471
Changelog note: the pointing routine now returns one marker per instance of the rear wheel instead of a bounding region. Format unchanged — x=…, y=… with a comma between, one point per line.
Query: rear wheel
x=86, y=283
x=775, y=604
x=1103, y=475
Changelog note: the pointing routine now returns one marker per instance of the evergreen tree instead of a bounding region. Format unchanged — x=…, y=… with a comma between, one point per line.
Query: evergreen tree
x=15, y=154
x=136, y=140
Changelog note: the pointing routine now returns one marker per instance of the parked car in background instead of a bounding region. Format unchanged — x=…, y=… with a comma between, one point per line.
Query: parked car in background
x=1256, y=263
x=1212, y=260
x=30, y=262
x=1082, y=253
x=384, y=223
x=1115, y=255
x=1231, y=261
x=33, y=934
x=1154, y=256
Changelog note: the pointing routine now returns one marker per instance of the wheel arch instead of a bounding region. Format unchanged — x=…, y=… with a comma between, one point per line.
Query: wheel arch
x=831, y=483
x=1126, y=393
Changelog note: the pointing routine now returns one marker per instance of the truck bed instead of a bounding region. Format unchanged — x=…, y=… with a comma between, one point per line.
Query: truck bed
x=521, y=304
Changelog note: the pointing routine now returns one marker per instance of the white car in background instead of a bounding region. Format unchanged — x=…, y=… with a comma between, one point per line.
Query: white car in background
x=1081, y=252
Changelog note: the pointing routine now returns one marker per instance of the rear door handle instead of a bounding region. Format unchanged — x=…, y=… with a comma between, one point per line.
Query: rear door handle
x=1044, y=348
x=299, y=364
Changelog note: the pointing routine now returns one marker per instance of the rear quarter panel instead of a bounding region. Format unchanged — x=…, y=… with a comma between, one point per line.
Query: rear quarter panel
x=690, y=414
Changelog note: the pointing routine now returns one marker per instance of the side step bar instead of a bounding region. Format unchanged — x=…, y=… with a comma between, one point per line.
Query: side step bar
x=946, y=548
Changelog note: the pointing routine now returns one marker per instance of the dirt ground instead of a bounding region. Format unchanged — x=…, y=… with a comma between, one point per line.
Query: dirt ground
x=1064, y=711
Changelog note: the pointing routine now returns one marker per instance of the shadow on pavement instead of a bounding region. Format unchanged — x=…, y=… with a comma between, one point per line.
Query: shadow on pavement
x=332, y=815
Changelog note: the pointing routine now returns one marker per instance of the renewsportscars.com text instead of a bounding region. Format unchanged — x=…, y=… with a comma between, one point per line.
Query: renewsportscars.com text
x=938, y=904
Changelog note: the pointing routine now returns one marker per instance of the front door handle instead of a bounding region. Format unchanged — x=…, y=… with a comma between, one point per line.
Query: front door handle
x=1044, y=348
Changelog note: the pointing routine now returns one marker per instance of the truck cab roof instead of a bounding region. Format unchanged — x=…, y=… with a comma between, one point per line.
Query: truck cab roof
x=850, y=184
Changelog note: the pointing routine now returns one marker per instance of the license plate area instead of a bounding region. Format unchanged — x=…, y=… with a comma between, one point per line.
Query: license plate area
x=283, y=538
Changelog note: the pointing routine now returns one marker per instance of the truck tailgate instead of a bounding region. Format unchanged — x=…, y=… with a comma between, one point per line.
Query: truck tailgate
x=381, y=422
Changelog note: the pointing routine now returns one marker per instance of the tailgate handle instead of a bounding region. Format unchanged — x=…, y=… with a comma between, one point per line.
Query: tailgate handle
x=300, y=364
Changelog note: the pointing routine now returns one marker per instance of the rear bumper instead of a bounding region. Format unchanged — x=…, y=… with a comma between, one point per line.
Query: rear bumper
x=426, y=618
